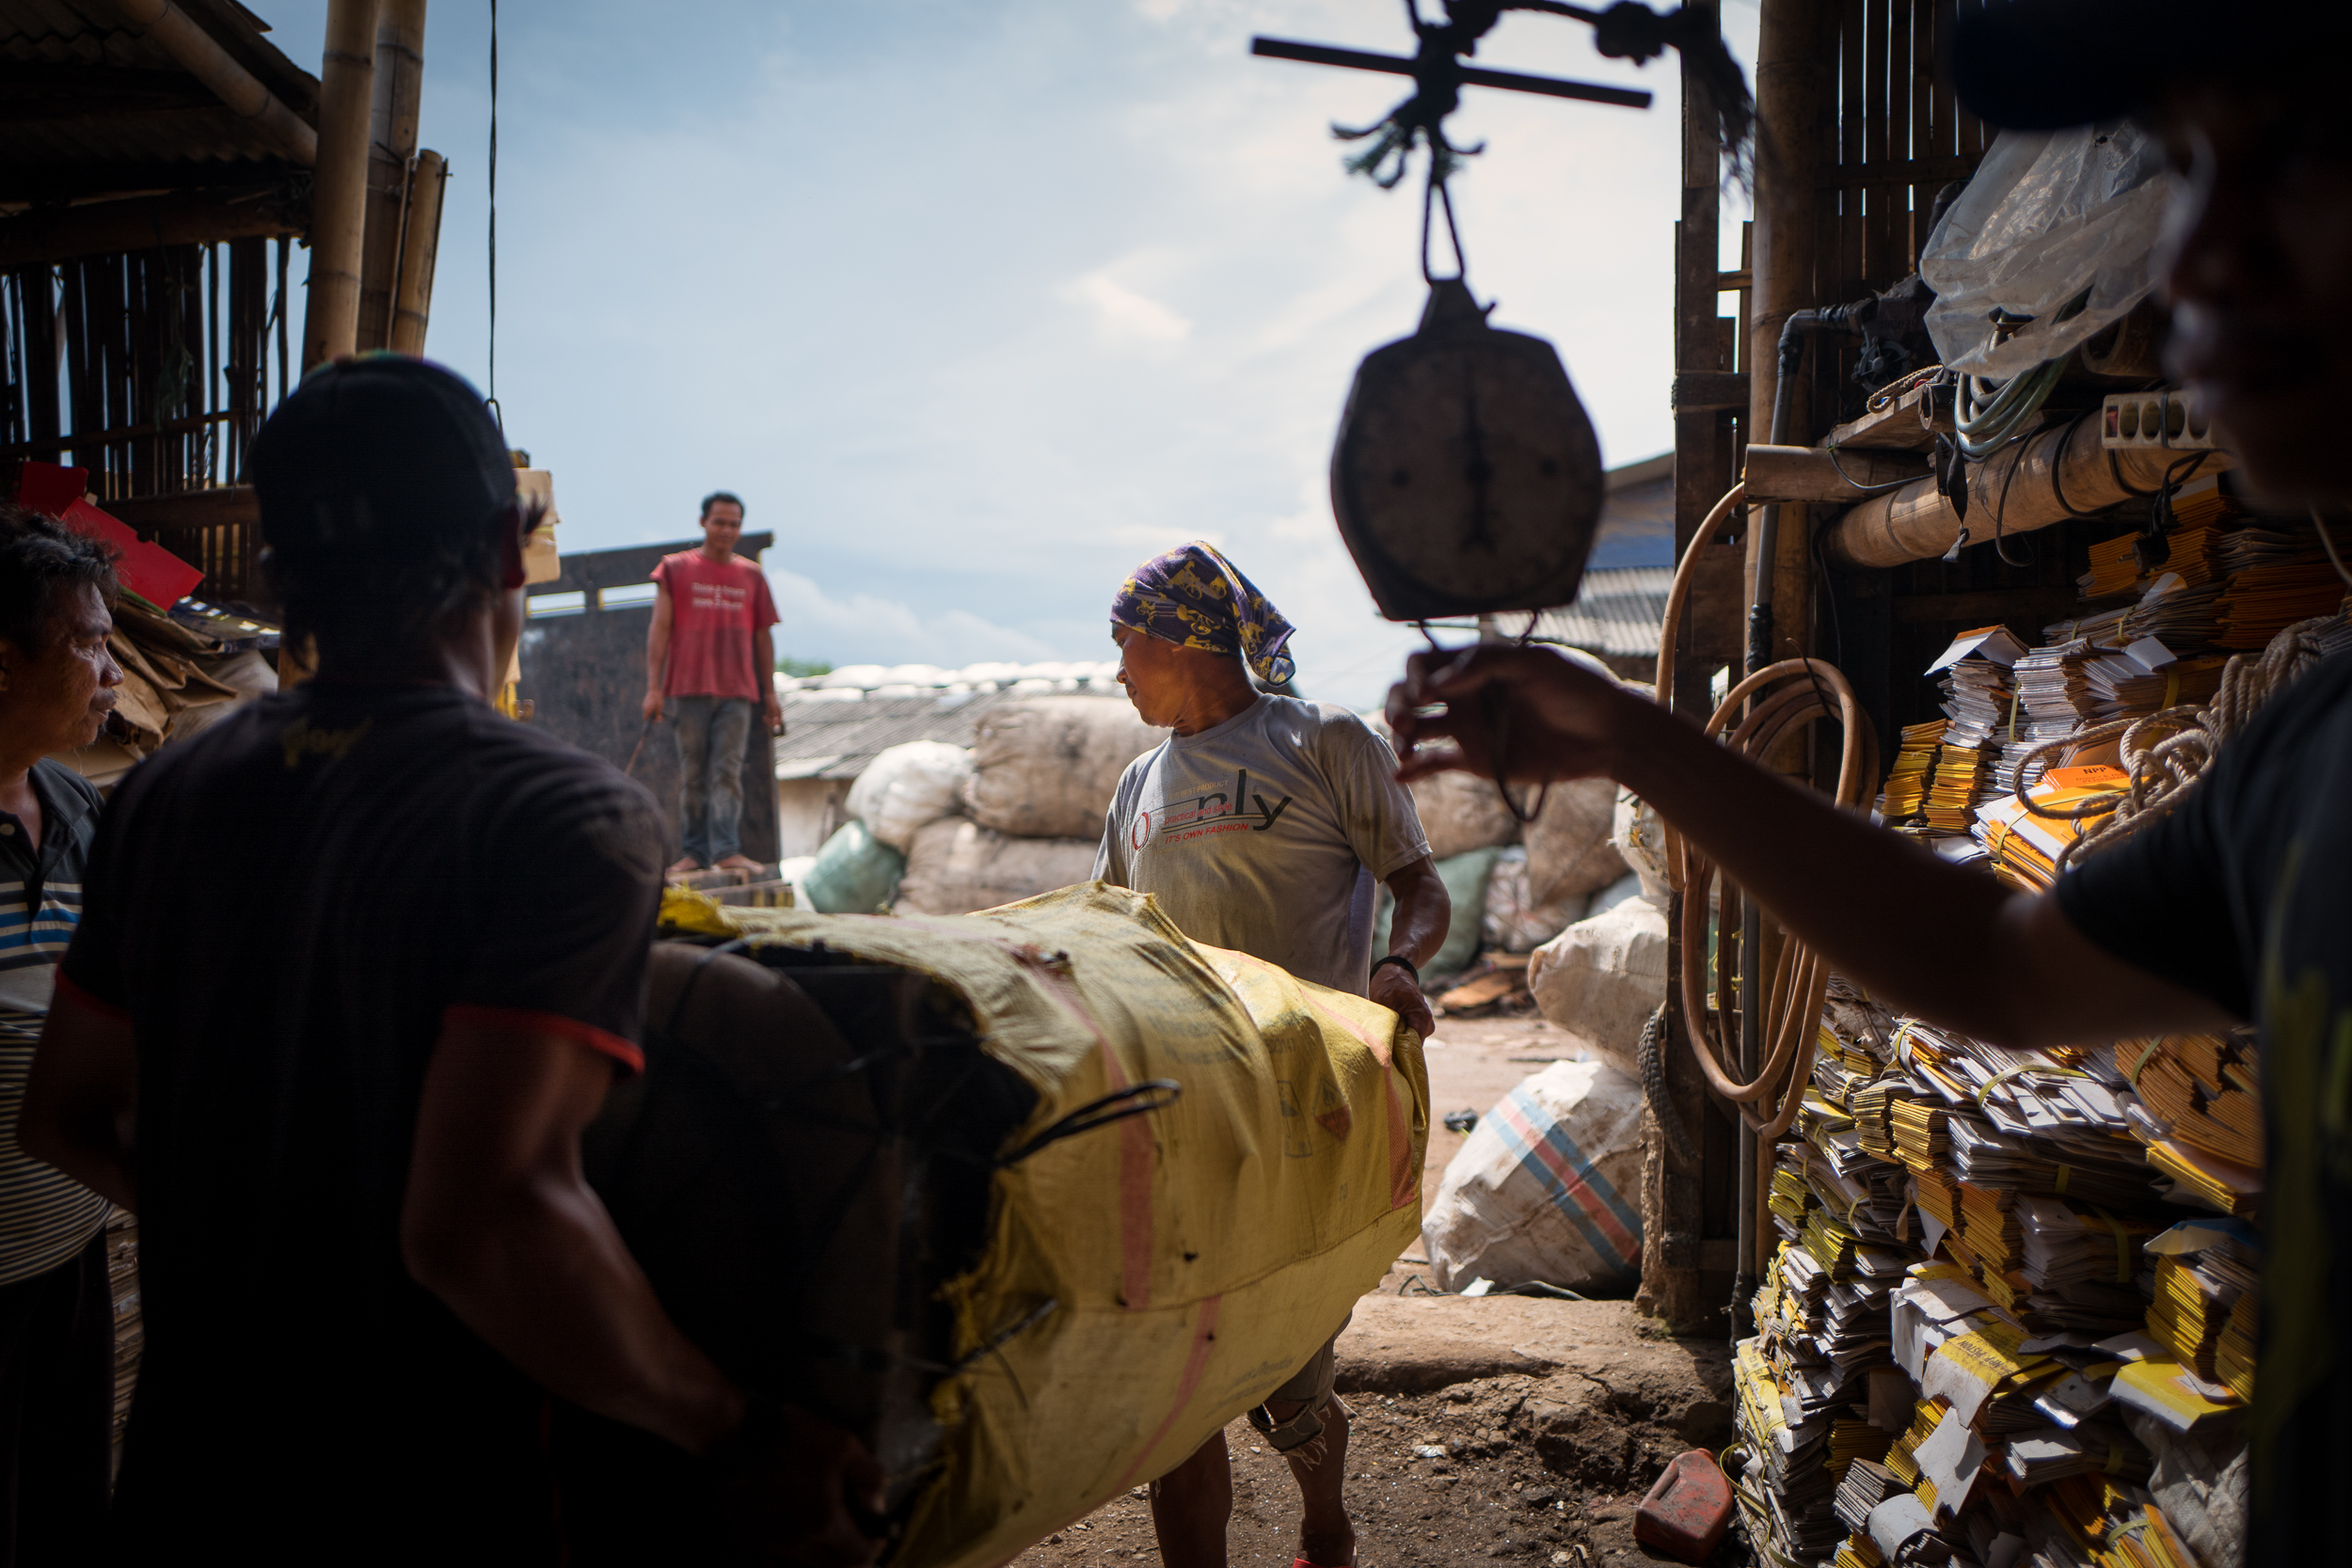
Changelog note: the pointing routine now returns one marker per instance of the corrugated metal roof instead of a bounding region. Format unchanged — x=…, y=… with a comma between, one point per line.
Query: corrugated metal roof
x=1619, y=611
x=96, y=108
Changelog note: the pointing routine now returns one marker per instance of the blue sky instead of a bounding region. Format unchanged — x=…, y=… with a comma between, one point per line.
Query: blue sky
x=979, y=302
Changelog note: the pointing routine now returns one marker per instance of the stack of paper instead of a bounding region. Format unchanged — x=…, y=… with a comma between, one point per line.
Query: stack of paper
x=1865, y=1484
x=1858, y=1551
x=1961, y=779
x=1798, y=1491
x=1914, y=766
x=2222, y=1186
x=2233, y=1357
x=1851, y=1441
x=1789, y=1197
x=1874, y=1114
x=2192, y=550
x=2262, y=601
x=2024, y=847
x=2208, y=1087
x=2045, y=1454
x=1925, y=1417
x=2270, y=543
x=2065, y=1246
x=2187, y=1316
x=2203, y=1268
x=1920, y=1141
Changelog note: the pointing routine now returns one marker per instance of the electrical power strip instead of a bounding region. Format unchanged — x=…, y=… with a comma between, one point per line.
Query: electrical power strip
x=2166, y=417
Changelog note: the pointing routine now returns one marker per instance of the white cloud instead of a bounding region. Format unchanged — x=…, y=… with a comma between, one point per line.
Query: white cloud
x=868, y=628
x=1122, y=316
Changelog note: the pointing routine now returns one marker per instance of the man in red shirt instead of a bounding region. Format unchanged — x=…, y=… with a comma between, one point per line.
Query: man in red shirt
x=708, y=659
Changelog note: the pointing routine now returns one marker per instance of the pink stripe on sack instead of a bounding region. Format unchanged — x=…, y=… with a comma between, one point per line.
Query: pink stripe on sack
x=1203, y=1341
x=1402, y=1189
x=1628, y=1245
x=1135, y=1156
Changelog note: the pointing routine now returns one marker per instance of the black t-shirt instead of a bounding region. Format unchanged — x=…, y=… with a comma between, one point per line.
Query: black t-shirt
x=2244, y=895
x=287, y=907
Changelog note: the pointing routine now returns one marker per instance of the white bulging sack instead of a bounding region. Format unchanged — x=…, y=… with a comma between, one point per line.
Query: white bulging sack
x=1570, y=851
x=1047, y=767
x=909, y=787
x=957, y=867
x=1460, y=813
x=1547, y=1187
x=1602, y=978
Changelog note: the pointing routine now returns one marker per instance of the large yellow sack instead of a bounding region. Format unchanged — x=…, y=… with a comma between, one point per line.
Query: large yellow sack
x=1195, y=1257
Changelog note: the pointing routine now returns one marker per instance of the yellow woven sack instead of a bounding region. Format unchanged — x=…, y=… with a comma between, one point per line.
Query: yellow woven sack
x=1195, y=1257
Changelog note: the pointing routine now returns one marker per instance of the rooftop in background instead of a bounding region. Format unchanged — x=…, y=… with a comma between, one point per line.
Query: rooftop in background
x=835, y=724
x=1637, y=516
x=98, y=108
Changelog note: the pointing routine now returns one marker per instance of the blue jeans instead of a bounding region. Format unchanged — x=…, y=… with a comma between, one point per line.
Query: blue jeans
x=711, y=734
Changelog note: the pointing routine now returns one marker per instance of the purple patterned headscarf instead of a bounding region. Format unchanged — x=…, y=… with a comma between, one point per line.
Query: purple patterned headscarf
x=1196, y=599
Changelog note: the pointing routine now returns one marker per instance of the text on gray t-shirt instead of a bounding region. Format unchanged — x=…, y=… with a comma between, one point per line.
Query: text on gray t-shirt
x=1265, y=835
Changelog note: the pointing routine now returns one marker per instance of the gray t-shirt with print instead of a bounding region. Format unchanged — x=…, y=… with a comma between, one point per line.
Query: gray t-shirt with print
x=1266, y=833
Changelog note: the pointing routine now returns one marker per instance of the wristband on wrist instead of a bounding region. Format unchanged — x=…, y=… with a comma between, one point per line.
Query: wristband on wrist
x=1402, y=962
x=762, y=1428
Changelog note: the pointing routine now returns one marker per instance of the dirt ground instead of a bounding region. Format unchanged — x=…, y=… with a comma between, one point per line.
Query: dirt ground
x=1492, y=1428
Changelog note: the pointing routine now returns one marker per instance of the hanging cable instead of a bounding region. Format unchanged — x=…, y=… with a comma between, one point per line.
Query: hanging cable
x=494, y=215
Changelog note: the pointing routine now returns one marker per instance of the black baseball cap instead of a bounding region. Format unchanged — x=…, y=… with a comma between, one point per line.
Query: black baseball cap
x=2043, y=65
x=377, y=449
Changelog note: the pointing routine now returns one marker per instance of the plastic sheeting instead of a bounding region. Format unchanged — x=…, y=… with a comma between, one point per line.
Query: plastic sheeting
x=1189, y=1260
x=2048, y=216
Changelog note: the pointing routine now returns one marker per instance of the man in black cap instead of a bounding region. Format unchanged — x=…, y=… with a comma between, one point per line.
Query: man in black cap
x=358, y=964
x=2234, y=906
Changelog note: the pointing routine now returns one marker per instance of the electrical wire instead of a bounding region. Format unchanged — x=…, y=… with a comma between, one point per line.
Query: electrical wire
x=494, y=210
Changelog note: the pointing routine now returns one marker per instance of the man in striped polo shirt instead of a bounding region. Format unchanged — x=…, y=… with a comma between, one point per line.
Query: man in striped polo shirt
x=56, y=1315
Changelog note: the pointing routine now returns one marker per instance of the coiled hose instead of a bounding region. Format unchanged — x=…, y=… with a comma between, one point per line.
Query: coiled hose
x=1779, y=699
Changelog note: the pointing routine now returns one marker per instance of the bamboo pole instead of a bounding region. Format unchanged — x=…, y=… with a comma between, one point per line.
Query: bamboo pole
x=1792, y=85
x=1917, y=523
x=1821, y=474
x=391, y=149
x=339, y=197
x=419, y=245
x=186, y=40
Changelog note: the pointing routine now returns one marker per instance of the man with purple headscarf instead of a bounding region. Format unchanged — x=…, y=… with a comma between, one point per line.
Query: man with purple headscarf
x=1261, y=825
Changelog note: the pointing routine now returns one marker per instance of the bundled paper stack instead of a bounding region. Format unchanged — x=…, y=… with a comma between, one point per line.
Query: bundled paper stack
x=2262, y=601
x=2191, y=551
x=2203, y=1268
x=1867, y=1484
x=2208, y=1087
x=2024, y=847
x=1921, y=1140
x=1915, y=768
x=2045, y=1454
x=2233, y=1357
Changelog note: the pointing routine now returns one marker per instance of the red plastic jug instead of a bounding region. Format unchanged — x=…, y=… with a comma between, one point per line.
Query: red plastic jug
x=1687, y=1511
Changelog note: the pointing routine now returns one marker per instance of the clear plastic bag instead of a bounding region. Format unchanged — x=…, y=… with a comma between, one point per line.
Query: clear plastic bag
x=2051, y=216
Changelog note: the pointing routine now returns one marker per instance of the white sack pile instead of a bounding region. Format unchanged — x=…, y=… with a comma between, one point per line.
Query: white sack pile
x=1048, y=766
x=1602, y=978
x=957, y=866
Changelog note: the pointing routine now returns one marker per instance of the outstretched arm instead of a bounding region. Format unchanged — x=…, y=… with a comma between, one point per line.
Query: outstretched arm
x=1932, y=937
